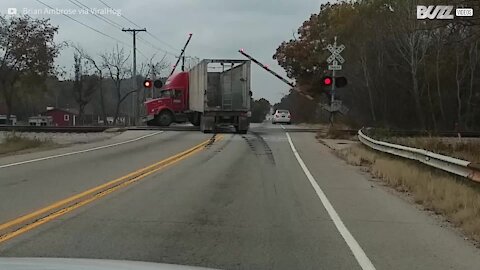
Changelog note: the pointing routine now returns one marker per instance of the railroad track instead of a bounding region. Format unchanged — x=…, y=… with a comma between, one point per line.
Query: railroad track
x=369, y=131
x=91, y=129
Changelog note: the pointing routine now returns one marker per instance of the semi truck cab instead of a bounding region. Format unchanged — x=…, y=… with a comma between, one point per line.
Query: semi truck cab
x=171, y=103
x=215, y=92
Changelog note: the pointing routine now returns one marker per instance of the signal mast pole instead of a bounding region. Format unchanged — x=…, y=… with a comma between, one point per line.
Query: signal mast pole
x=332, y=100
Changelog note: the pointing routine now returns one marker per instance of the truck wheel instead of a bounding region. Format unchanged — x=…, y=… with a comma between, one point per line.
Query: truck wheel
x=243, y=131
x=164, y=119
x=151, y=123
x=195, y=119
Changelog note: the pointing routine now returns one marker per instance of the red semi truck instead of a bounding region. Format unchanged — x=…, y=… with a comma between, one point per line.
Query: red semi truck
x=211, y=94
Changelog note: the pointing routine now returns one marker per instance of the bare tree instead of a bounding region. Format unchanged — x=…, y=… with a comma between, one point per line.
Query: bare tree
x=84, y=86
x=473, y=62
x=412, y=45
x=153, y=70
x=99, y=70
x=115, y=65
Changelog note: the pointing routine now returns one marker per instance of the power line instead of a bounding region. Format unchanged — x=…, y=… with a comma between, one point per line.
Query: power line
x=110, y=22
x=119, y=41
x=117, y=25
x=140, y=52
x=120, y=14
x=130, y=21
x=156, y=48
x=105, y=19
x=91, y=28
x=161, y=41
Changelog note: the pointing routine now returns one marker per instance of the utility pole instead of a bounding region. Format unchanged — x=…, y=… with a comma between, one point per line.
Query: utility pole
x=134, y=74
x=332, y=100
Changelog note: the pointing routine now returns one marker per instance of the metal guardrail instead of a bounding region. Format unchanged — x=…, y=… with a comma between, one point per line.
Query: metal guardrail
x=440, y=133
x=453, y=165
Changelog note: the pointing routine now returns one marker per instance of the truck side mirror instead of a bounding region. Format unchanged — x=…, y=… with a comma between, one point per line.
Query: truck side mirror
x=250, y=93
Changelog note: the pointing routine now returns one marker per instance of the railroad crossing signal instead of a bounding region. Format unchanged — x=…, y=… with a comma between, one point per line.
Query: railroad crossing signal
x=335, y=58
x=158, y=84
x=339, y=81
x=327, y=81
x=336, y=106
x=335, y=51
x=147, y=83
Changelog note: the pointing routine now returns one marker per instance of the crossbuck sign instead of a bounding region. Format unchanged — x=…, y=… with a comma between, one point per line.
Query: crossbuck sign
x=335, y=57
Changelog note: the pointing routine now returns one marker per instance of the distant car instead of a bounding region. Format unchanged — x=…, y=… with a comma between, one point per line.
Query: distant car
x=282, y=116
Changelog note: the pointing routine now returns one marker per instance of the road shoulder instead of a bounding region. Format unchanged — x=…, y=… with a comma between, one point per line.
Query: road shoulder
x=69, y=146
x=393, y=232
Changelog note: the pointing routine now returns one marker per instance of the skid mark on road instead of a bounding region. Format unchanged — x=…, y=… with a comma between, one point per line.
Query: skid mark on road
x=259, y=146
x=219, y=148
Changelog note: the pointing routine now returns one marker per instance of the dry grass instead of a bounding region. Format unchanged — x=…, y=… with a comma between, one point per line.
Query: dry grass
x=14, y=143
x=455, y=198
x=335, y=132
x=312, y=125
x=466, y=149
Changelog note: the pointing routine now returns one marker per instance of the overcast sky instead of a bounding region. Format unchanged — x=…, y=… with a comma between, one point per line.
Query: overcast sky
x=219, y=27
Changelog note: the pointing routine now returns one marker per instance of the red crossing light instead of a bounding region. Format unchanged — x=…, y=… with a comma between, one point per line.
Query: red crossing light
x=147, y=84
x=327, y=81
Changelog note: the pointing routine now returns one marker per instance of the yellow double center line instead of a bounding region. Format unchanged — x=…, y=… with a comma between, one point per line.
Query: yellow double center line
x=32, y=220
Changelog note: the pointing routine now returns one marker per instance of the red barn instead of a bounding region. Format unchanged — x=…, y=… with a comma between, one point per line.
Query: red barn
x=61, y=117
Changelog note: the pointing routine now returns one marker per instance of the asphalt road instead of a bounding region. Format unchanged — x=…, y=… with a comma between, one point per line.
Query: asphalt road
x=243, y=202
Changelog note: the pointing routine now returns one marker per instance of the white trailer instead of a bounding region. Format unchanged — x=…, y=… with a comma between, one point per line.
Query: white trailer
x=219, y=94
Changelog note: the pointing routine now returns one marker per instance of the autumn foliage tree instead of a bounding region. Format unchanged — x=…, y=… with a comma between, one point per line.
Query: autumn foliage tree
x=260, y=108
x=27, y=53
x=402, y=72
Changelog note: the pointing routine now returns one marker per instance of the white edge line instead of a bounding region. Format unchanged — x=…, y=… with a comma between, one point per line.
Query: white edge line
x=283, y=127
x=78, y=152
x=357, y=251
